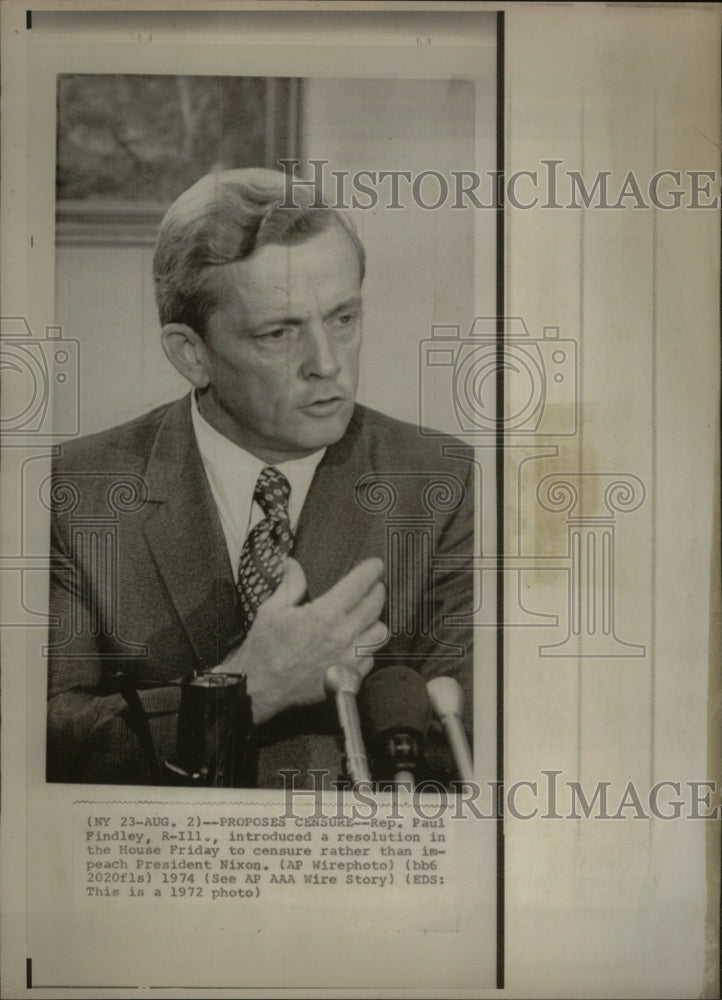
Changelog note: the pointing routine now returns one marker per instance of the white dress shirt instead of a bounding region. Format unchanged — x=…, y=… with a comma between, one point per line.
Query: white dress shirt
x=232, y=474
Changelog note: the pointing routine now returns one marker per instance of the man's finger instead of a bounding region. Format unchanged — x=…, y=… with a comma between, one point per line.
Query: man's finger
x=363, y=665
x=368, y=610
x=374, y=636
x=349, y=590
x=291, y=589
x=358, y=655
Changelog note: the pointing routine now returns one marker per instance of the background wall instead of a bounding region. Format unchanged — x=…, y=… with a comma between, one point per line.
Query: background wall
x=421, y=262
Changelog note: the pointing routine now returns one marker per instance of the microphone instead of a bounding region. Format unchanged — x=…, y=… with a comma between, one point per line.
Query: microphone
x=343, y=683
x=447, y=699
x=395, y=709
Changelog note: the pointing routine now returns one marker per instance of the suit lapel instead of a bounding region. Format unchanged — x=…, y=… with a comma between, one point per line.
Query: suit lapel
x=185, y=537
x=332, y=526
x=184, y=534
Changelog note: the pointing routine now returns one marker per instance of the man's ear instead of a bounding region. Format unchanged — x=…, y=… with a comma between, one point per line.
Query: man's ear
x=186, y=351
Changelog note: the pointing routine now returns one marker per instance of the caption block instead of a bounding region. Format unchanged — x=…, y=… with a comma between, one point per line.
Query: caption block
x=146, y=851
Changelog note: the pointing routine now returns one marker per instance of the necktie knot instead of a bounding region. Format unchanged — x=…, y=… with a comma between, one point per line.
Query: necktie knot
x=272, y=492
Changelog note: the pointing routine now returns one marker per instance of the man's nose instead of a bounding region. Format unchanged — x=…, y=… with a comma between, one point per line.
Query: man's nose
x=319, y=357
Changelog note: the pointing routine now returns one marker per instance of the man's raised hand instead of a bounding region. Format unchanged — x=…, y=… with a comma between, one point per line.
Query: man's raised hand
x=290, y=646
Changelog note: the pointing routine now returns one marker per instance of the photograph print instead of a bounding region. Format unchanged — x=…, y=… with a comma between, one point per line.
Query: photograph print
x=269, y=509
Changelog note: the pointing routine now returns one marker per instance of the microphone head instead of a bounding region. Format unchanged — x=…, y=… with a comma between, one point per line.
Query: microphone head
x=342, y=679
x=394, y=700
x=446, y=696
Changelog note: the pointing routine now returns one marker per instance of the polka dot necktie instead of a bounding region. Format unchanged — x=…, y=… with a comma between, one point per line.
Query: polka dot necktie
x=260, y=568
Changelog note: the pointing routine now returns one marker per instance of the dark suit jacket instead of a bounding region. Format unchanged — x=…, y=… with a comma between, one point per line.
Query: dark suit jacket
x=142, y=581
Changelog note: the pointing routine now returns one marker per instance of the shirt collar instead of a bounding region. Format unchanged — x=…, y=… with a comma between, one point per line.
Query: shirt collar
x=233, y=471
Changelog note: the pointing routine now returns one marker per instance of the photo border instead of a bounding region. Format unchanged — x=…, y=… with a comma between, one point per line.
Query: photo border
x=500, y=861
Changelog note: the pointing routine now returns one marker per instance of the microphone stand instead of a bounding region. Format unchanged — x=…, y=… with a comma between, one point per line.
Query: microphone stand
x=343, y=683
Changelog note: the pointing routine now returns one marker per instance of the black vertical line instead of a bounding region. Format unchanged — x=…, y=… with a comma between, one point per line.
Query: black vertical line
x=28, y=973
x=28, y=20
x=719, y=564
x=499, y=469
x=653, y=473
x=580, y=439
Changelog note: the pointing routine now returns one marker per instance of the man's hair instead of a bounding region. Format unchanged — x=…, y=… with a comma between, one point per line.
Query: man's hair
x=223, y=218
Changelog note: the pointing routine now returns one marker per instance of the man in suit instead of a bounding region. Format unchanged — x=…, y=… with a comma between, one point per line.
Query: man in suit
x=265, y=525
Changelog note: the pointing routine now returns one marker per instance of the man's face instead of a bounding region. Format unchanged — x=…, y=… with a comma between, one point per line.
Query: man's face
x=281, y=354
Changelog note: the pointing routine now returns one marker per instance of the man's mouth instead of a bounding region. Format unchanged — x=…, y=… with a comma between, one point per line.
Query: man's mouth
x=325, y=407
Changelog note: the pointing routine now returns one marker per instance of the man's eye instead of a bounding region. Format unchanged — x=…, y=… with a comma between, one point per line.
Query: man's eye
x=277, y=334
x=344, y=319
